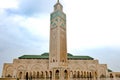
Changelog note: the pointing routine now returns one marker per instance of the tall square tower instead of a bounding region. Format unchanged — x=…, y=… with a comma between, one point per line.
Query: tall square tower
x=58, y=46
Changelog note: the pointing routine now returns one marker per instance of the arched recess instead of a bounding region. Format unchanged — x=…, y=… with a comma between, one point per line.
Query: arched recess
x=96, y=74
x=37, y=67
x=78, y=71
x=90, y=74
x=78, y=74
x=57, y=74
x=26, y=76
x=92, y=68
x=102, y=76
x=38, y=75
x=87, y=74
x=82, y=75
x=9, y=71
x=42, y=74
x=111, y=75
x=66, y=74
x=30, y=75
x=20, y=75
x=46, y=74
x=102, y=72
x=34, y=75
x=74, y=74
x=50, y=73
x=20, y=71
x=71, y=74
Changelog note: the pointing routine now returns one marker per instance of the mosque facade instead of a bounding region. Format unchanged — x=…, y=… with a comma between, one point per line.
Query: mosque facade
x=57, y=64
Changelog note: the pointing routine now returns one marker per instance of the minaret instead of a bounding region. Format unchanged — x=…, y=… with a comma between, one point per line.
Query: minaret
x=58, y=46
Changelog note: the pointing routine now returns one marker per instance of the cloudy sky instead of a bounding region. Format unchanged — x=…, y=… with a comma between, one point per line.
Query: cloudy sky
x=93, y=28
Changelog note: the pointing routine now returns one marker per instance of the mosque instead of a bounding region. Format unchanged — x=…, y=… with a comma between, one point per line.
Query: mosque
x=57, y=64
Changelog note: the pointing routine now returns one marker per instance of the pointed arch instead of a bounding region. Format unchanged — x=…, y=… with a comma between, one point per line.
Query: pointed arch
x=20, y=71
x=71, y=74
x=42, y=74
x=30, y=75
x=87, y=74
x=95, y=74
x=74, y=74
x=50, y=74
x=20, y=75
x=111, y=75
x=9, y=71
x=46, y=74
x=38, y=74
x=92, y=68
x=57, y=74
x=78, y=74
x=26, y=76
x=34, y=74
x=65, y=74
x=82, y=74
x=36, y=67
x=90, y=74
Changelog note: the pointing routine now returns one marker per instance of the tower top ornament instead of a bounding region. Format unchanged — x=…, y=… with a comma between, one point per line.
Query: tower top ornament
x=57, y=1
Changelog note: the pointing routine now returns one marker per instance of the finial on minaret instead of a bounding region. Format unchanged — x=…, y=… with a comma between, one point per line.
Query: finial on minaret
x=57, y=1
x=58, y=6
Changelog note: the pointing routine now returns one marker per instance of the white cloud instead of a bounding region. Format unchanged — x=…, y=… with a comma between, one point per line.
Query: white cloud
x=8, y=3
x=92, y=23
x=37, y=25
